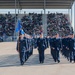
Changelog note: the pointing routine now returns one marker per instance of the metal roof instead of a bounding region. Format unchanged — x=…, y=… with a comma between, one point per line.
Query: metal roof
x=36, y=4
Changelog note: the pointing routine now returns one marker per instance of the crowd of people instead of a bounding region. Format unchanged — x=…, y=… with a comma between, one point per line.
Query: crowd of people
x=64, y=45
x=32, y=23
x=58, y=22
x=26, y=44
x=2, y=26
x=7, y=25
x=24, y=47
x=10, y=24
x=59, y=37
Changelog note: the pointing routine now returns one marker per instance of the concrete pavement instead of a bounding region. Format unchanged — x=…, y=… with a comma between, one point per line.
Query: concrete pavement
x=10, y=65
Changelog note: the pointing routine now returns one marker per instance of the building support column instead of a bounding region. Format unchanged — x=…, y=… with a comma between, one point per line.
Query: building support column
x=15, y=36
x=74, y=17
x=45, y=20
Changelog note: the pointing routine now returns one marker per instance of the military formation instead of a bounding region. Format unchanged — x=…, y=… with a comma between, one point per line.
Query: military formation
x=24, y=47
x=57, y=45
x=68, y=47
x=64, y=45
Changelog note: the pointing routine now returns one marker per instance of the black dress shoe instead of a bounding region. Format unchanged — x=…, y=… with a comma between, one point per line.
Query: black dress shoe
x=55, y=60
x=42, y=61
x=22, y=63
x=70, y=61
x=58, y=61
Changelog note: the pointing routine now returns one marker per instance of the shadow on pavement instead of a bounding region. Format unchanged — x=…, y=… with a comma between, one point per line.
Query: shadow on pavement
x=13, y=60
